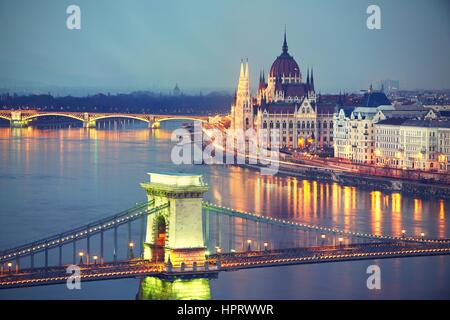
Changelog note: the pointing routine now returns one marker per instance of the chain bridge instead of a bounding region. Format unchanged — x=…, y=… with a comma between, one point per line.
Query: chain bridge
x=176, y=234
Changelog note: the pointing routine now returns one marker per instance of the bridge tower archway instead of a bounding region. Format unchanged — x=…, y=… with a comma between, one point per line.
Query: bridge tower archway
x=177, y=231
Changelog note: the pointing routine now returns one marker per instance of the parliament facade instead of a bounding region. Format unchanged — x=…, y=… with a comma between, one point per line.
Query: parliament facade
x=285, y=106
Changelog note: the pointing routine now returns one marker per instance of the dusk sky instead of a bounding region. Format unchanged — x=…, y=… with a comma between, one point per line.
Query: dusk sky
x=145, y=45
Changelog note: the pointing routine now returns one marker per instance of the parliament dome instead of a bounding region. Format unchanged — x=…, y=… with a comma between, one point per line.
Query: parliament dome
x=285, y=64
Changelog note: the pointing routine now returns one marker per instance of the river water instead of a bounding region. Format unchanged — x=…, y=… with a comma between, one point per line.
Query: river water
x=52, y=179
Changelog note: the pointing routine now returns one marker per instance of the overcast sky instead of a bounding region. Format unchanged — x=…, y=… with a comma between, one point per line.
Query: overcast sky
x=199, y=44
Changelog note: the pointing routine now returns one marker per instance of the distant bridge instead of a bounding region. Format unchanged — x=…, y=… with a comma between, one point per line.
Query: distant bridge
x=21, y=118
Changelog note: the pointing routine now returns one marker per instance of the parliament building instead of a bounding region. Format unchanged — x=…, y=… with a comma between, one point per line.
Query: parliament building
x=285, y=104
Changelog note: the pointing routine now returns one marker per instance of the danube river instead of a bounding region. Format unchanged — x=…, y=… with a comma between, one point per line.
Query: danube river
x=52, y=179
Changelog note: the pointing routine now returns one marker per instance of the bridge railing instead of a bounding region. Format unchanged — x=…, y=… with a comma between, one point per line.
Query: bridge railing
x=316, y=228
x=81, y=232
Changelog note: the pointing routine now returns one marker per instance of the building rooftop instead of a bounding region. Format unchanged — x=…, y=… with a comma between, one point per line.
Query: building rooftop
x=347, y=110
x=445, y=114
x=391, y=121
x=374, y=99
x=323, y=108
x=410, y=107
x=427, y=123
x=279, y=107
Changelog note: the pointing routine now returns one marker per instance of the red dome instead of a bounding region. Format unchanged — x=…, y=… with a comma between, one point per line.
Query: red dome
x=285, y=65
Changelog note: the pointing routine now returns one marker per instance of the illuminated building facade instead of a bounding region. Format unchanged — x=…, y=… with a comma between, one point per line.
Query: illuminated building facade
x=358, y=138
x=285, y=106
x=353, y=134
x=413, y=144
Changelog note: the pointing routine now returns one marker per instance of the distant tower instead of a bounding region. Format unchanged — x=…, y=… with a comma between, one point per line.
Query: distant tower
x=176, y=91
x=261, y=95
x=242, y=109
x=311, y=89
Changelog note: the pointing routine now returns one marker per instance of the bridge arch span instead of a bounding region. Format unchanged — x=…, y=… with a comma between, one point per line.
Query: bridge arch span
x=119, y=116
x=72, y=116
x=179, y=118
x=5, y=117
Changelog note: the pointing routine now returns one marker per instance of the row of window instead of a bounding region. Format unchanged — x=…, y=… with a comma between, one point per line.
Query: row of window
x=300, y=124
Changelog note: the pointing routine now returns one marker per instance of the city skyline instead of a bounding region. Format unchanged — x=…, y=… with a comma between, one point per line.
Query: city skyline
x=224, y=150
x=139, y=49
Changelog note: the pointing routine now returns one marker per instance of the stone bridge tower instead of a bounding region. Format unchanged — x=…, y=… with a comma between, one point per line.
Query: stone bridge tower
x=175, y=233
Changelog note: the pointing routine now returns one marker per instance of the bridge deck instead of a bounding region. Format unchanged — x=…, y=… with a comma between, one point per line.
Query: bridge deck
x=321, y=254
x=228, y=262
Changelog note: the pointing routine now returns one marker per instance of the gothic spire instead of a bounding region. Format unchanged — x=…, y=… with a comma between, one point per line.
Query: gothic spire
x=311, y=80
x=285, y=46
x=241, y=73
x=246, y=69
x=262, y=83
x=307, y=77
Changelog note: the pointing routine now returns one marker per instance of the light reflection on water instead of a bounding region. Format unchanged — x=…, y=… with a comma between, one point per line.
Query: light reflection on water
x=51, y=179
x=153, y=288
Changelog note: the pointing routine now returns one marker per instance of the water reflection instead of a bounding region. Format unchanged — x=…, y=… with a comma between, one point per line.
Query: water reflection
x=442, y=219
x=102, y=151
x=154, y=288
x=59, y=178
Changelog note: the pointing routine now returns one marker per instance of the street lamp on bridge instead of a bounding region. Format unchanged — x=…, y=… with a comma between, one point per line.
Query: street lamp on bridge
x=131, y=246
x=81, y=254
x=249, y=243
